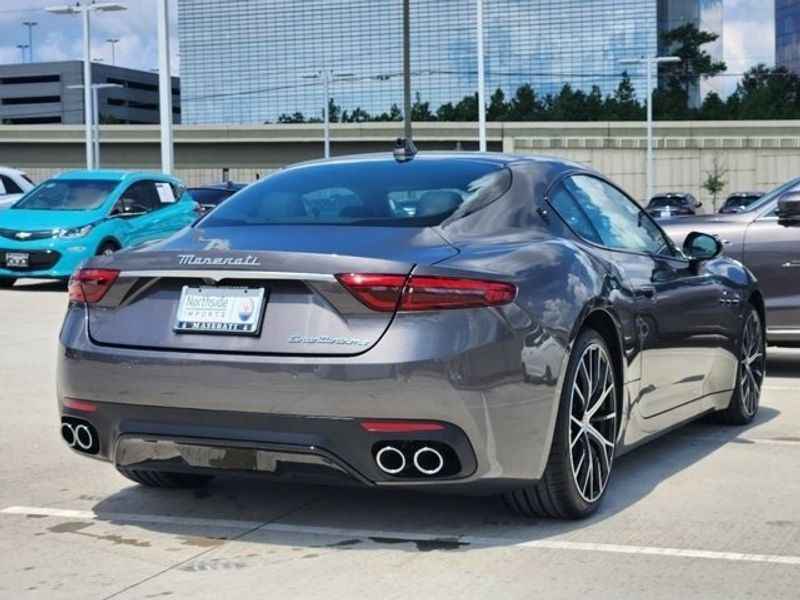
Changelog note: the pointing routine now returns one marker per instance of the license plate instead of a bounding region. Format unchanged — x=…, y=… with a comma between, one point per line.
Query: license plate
x=666, y=213
x=233, y=311
x=16, y=259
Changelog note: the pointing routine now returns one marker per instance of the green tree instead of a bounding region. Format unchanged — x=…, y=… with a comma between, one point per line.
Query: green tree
x=714, y=182
x=296, y=117
x=765, y=93
x=713, y=108
x=498, y=107
x=526, y=105
x=686, y=42
x=421, y=111
x=622, y=105
x=394, y=114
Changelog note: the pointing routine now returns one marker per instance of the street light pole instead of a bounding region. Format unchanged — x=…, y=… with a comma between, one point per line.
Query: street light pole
x=30, y=25
x=84, y=11
x=481, y=82
x=327, y=76
x=326, y=116
x=113, y=42
x=95, y=128
x=165, y=89
x=22, y=48
x=649, y=62
x=407, y=69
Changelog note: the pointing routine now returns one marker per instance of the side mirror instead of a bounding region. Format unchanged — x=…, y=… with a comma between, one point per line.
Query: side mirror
x=701, y=246
x=789, y=208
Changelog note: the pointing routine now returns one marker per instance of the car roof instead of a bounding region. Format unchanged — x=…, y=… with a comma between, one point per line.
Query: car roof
x=114, y=175
x=230, y=185
x=448, y=155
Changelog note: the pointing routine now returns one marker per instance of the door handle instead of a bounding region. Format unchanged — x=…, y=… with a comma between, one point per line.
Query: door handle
x=790, y=264
x=646, y=291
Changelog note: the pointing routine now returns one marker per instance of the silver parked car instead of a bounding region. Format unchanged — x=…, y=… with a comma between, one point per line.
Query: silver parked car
x=433, y=321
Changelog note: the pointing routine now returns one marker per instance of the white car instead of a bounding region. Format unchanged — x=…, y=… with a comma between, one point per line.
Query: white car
x=13, y=185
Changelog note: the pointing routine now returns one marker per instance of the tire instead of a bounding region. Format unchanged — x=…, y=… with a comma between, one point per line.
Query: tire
x=7, y=282
x=746, y=395
x=564, y=491
x=107, y=248
x=164, y=479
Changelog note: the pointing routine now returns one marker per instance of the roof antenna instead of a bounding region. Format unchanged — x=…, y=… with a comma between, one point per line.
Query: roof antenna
x=404, y=149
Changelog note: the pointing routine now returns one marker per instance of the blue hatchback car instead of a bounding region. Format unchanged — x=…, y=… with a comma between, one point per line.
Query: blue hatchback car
x=78, y=214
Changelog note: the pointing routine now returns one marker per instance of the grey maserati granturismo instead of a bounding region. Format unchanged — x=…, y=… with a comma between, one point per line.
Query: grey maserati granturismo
x=420, y=320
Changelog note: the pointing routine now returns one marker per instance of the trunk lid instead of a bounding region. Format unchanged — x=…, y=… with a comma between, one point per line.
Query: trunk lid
x=306, y=310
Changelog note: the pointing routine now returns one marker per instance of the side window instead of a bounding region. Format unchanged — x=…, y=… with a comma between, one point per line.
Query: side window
x=10, y=185
x=568, y=209
x=140, y=197
x=618, y=220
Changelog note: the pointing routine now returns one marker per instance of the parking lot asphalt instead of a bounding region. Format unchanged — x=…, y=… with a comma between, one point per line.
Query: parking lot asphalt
x=704, y=512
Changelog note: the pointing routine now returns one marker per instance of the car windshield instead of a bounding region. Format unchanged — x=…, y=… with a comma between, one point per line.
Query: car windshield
x=367, y=192
x=67, y=194
x=771, y=197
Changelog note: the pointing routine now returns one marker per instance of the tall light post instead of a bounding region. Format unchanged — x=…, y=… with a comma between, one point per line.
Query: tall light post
x=96, y=117
x=406, y=69
x=22, y=48
x=326, y=75
x=113, y=42
x=649, y=62
x=481, y=81
x=165, y=89
x=85, y=10
x=30, y=25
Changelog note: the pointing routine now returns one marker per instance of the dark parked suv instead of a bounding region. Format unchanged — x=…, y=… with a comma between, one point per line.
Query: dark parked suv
x=672, y=204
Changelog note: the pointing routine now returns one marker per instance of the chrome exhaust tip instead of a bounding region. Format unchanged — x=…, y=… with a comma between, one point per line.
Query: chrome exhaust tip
x=68, y=434
x=390, y=460
x=83, y=437
x=428, y=461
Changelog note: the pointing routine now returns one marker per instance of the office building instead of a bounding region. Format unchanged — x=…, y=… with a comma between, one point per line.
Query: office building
x=787, y=34
x=33, y=93
x=252, y=61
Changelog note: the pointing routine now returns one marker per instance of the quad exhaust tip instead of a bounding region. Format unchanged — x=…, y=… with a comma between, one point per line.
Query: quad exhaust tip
x=68, y=434
x=428, y=461
x=390, y=460
x=83, y=437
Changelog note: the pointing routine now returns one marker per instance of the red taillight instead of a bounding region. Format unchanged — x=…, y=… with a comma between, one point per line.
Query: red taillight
x=80, y=405
x=400, y=426
x=379, y=292
x=431, y=293
x=90, y=285
x=386, y=293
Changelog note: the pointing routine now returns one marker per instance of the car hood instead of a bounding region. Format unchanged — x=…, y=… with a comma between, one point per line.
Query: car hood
x=24, y=219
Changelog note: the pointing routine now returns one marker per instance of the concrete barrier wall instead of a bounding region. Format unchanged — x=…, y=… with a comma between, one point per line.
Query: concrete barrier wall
x=755, y=155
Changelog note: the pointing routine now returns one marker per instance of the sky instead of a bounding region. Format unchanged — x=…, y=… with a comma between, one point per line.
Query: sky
x=748, y=36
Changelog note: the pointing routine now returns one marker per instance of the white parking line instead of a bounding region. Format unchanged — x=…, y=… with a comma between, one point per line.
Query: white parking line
x=786, y=388
x=411, y=537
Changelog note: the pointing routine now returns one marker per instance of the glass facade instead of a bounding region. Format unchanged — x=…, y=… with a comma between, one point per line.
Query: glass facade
x=251, y=61
x=787, y=34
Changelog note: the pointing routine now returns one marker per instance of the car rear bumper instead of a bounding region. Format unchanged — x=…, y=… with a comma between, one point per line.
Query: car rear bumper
x=498, y=425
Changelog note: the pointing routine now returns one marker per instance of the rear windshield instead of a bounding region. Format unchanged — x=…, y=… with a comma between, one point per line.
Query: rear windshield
x=658, y=202
x=68, y=194
x=367, y=192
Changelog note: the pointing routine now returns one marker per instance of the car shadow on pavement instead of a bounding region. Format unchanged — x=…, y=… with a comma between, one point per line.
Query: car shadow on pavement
x=318, y=516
